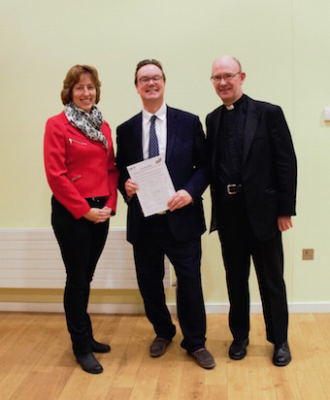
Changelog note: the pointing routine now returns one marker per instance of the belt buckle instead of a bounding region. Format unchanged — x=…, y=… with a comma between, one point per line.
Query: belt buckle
x=229, y=187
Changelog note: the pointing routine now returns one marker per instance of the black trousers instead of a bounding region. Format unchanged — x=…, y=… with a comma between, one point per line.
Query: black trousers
x=81, y=243
x=239, y=244
x=154, y=242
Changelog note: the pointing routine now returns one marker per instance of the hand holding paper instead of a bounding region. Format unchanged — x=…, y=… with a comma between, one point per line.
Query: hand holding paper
x=131, y=188
x=180, y=199
x=155, y=187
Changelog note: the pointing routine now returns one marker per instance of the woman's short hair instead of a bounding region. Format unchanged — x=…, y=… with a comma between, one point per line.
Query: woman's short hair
x=73, y=77
x=148, y=62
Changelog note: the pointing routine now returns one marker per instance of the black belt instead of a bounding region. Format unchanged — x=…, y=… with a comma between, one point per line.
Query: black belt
x=97, y=199
x=234, y=188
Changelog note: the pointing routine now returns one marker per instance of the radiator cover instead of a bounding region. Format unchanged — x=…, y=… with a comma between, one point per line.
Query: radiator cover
x=30, y=258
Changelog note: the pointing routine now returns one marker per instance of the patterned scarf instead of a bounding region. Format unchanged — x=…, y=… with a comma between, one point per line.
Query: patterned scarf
x=89, y=123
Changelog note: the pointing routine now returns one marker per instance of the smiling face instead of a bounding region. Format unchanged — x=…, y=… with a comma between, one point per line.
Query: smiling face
x=227, y=79
x=150, y=85
x=84, y=92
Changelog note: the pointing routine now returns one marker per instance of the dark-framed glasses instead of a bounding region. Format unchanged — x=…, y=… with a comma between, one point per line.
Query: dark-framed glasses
x=144, y=80
x=226, y=77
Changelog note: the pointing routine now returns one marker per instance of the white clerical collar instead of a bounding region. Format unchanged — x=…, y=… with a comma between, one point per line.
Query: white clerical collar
x=231, y=107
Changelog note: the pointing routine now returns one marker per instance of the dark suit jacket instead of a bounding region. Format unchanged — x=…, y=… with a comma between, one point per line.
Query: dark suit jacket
x=186, y=160
x=269, y=167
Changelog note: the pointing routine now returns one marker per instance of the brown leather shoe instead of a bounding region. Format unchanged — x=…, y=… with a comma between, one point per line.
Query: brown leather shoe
x=159, y=346
x=203, y=358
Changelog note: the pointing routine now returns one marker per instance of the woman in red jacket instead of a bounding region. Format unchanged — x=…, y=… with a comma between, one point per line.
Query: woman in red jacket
x=81, y=172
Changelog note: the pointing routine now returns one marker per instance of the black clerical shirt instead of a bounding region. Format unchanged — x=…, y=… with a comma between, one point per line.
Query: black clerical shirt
x=232, y=141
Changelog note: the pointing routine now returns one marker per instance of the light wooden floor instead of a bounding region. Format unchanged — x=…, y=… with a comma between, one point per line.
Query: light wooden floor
x=36, y=362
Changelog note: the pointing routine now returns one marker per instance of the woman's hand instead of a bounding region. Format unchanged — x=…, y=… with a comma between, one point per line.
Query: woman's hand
x=98, y=215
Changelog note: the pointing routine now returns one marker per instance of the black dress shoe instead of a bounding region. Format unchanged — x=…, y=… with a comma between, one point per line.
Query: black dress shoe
x=89, y=363
x=203, y=358
x=237, y=350
x=159, y=346
x=100, y=347
x=282, y=355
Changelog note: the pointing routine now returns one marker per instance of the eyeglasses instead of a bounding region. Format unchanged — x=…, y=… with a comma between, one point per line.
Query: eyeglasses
x=225, y=77
x=145, y=79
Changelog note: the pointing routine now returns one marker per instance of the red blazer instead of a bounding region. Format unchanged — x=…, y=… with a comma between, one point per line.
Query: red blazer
x=78, y=167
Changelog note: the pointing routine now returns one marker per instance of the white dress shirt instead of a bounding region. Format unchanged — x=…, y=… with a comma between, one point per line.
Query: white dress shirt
x=161, y=130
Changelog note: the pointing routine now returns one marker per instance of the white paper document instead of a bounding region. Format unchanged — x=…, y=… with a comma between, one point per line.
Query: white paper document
x=155, y=184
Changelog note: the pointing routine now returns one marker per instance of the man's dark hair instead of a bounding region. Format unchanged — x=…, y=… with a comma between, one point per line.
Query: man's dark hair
x=148, y=62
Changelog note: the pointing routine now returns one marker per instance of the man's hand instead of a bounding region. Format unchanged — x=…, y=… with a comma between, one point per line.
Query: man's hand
x=131, y=188
x=284, y=222
x=180, y=199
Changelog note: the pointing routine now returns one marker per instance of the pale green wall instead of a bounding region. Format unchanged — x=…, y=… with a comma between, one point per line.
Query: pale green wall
x=283, y=46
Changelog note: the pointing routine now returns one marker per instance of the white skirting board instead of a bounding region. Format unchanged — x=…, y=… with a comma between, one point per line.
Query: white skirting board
x=30, y=258
x=211, y=308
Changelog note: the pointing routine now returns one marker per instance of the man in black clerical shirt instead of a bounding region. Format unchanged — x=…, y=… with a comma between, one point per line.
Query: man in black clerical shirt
x=253, y=192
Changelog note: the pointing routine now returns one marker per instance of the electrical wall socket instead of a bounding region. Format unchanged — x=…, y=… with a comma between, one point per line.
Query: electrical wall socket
x=308, y=254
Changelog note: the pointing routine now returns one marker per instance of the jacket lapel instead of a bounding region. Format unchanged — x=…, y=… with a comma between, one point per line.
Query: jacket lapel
x=172, y=132
x=137, y=137
x=216, y=137
x=252, y=118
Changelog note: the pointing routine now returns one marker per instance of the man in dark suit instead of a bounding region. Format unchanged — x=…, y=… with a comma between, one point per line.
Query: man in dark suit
x=253, y=188
x=177, y=136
